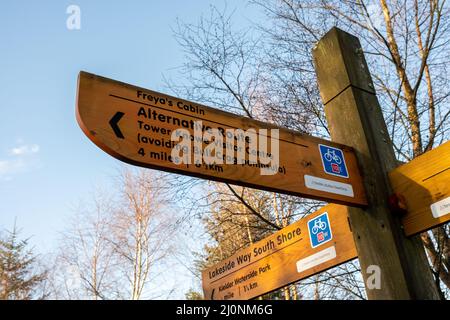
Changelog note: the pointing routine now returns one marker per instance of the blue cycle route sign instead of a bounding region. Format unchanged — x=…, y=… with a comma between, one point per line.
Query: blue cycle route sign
x=333, y=161
x=319, y=230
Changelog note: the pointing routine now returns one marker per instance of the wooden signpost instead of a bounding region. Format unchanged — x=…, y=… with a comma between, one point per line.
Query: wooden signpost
x=313, y=244
x=355, y=118
x=424, y=184
x=135, y=125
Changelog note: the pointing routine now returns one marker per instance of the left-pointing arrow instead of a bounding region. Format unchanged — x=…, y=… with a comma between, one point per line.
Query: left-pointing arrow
x=113, y=123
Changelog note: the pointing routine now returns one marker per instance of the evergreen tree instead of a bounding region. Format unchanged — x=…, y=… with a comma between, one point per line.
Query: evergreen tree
x=19, y=279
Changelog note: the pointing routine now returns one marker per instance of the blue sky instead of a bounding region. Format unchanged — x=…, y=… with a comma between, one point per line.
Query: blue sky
x=46, y=163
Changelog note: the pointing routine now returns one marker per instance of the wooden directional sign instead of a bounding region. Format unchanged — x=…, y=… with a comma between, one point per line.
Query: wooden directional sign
x=313, y=244
x=424, y=183
x=135, y=125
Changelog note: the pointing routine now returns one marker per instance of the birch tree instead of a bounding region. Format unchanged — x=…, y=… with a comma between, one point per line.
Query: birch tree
x=85, y=266
x=113, y=246
x=141, y=231
x=266, y=72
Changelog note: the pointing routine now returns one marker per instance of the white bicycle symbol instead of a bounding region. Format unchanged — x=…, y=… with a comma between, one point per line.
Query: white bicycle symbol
x=331, y=155
x=318, y=225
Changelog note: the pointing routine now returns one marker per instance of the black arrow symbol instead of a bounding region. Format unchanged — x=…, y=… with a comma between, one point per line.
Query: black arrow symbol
x=113, y=123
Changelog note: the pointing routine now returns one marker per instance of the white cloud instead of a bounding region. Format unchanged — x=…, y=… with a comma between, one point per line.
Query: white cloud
x=19, y=159
x=24, y=149
x=11, y=166
x=4, y=167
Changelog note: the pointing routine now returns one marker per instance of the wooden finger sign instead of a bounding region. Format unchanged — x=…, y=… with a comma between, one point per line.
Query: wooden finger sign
x=311, y=245
x=144, y=128
x=424, y=184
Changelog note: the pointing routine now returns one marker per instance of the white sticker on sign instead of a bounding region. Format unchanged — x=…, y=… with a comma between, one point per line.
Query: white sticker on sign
x=441, y=208
x=330, y=186
x=316, y=259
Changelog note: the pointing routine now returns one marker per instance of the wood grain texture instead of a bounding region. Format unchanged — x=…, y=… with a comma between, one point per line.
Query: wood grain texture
x=423, y=182
x=100, y=99
x=355, y=118
x=338, y=81
x=277, y=267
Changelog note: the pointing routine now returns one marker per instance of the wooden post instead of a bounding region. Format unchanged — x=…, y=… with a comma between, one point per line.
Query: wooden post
x=355, y=119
